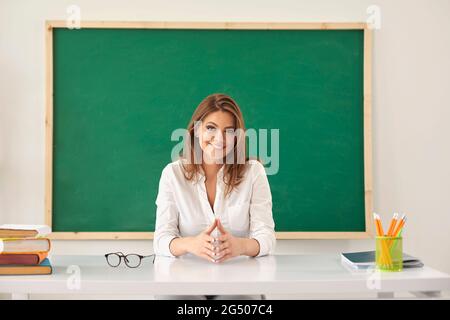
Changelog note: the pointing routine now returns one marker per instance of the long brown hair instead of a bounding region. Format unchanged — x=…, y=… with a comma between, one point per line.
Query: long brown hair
x=233, y=173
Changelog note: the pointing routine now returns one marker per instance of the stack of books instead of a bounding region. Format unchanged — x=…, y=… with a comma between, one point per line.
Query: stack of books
x=24, y=249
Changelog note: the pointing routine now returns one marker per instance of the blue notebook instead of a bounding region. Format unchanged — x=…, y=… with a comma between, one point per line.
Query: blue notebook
x=366, y=259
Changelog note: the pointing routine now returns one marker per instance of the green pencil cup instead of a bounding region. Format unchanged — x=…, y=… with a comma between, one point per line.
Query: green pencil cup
x=389, y=253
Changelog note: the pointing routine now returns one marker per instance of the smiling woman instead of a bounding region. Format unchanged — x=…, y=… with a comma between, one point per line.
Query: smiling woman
x=216, y=133
x=213, y=202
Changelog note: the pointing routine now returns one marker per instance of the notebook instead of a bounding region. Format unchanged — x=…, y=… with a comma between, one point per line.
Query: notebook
x=366, y=259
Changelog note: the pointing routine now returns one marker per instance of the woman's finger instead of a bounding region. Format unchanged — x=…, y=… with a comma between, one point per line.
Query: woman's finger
x=223, y=245
x=209, y=252
x=219, y=255
x=208, y=238
x=226, y=257
x=221, y=227
x=206, y=257
x=223, y=237
x=210, y=229
x=223, y=252
x=210, y=246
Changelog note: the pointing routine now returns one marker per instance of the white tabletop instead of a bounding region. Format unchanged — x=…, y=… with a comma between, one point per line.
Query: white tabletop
x=278, y=274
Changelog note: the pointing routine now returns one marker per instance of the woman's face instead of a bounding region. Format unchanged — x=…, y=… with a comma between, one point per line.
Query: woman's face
x=216, y=136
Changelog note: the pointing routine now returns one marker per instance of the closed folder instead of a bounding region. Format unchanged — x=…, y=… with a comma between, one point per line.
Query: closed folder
x=366, y=259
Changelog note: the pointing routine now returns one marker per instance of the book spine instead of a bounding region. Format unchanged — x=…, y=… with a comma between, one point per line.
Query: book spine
x=49, y=244
x=19, y=259
x=2, y=247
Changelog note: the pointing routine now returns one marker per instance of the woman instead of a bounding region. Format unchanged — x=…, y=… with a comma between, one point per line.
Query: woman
x=213, y=202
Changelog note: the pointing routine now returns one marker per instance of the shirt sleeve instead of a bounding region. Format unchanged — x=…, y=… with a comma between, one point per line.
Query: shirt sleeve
x=166, y=225
x=262, y=226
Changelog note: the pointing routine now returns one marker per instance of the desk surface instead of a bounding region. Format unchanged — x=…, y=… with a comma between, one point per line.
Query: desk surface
x=278, y=274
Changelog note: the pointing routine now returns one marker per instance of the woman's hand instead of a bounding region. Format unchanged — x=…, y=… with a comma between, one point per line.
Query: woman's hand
x=230, y=246
x=202, y=244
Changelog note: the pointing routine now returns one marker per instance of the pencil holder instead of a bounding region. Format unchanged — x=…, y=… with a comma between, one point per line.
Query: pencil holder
x=389, y=253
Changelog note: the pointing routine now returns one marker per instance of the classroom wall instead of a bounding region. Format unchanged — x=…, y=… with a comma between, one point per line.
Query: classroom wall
x=411, y=68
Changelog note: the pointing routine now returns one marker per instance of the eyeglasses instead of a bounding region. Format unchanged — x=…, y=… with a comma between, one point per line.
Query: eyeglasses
x=132, y=260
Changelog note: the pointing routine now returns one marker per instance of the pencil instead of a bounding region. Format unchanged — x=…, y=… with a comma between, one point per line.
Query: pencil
x=400, y=226
x=380, y=225
x=385, y=256
x=393, y=223
x=377, y=226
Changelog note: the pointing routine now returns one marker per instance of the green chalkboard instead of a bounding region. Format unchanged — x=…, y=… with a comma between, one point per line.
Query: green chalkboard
x=119, y=93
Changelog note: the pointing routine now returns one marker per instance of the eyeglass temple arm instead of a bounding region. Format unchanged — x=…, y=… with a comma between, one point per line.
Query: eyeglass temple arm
x=114, y=253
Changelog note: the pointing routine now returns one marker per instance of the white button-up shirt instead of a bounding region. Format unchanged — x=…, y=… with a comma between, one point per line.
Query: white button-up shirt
x=183, y=209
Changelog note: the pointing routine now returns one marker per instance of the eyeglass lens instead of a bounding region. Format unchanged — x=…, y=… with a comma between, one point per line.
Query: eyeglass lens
x=132, y=260
x=113, y=259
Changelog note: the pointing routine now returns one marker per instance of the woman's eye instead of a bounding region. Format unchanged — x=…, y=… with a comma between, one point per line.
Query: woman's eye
x=210, y=128
x=229, y=131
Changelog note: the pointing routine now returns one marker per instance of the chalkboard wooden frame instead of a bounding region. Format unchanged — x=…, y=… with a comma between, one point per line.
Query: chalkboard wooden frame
x=50, y=25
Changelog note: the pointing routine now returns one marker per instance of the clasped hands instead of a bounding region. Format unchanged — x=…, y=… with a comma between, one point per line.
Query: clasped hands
x=228, y=246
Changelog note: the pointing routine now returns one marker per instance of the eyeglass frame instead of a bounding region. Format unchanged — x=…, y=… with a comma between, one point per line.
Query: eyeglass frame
x=121, y=255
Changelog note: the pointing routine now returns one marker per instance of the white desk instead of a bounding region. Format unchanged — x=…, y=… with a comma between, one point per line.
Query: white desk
x=279, y=274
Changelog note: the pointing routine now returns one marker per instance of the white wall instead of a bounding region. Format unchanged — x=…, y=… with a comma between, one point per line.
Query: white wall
x=411, y=108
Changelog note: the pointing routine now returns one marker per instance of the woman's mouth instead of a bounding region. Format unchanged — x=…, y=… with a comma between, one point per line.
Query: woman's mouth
x=217, y=146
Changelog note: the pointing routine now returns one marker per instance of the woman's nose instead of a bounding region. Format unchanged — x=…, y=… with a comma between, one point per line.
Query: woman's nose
x=218, y=139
